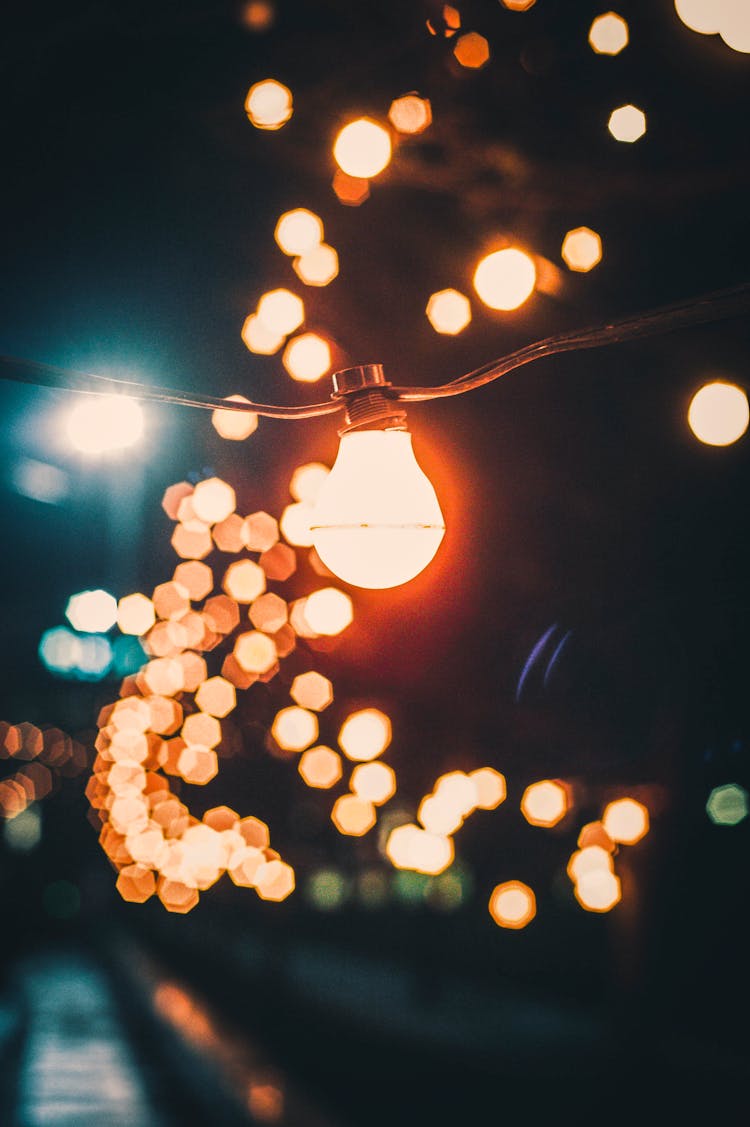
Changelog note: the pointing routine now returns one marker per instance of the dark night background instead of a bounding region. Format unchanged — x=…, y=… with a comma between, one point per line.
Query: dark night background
x=138, y=216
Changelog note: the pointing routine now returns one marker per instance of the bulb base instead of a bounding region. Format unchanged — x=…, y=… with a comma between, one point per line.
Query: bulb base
x=367, y=404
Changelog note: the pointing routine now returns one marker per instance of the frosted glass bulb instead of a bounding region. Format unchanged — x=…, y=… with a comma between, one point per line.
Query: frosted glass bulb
x=377, y=522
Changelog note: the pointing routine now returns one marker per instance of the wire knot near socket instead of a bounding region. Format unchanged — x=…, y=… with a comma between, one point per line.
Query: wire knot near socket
x=366, y=400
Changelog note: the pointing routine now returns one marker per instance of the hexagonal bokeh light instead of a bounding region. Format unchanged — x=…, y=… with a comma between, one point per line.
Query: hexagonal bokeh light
x=608, y=34
x=719, y=414
x=627, y=123
x=505, y=279
x=269, y=104
x=728, y=805
x=449, y=312
x=582, y=249
x=363, y=148
x=512, y=905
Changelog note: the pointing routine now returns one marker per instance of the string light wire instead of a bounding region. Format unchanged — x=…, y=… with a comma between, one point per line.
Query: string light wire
x=700, y=310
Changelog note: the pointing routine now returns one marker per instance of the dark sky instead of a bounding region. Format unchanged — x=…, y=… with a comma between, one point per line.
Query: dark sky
x=138, y=217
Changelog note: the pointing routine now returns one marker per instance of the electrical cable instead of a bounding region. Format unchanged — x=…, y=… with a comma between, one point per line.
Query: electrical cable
x=700, y=310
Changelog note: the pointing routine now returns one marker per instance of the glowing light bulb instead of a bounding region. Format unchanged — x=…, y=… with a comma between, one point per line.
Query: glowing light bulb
x=377, y=522
x=505, y=278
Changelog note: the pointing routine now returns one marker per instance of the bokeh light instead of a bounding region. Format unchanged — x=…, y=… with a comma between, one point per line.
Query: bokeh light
x=734, y=26
x=269, y=104
x=598, y=890
x=472, y=50
x=449, y=312
x=307, y=357
x=105, y=424
x=489, y=787
x=307, y=481
x=727, y=805
x=351, y=190
x=608, y=34
x=135, y=614
x=582, y=249
x=627, y=123
x=365, y=734
x=518, y=5
x=298, y=231
x=352, y=815
x=718, y=414
x=258, y=338
x=235, y=425
x=512, y=905
x=281, y=311
x=93, y=612
x=329, y=611
x=213, y=500
x=363, y=148
x=505, y=279
x=545, y=803
x=375, y=782
x=703, y=16
x=317, y=267
x=320, y=767
x=311, y=690
x=410, y=114
x=294, y=728
x=625, y=821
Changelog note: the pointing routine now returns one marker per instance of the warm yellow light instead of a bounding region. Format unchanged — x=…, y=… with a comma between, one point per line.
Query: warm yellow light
x=259, y=338
x=328, y=611
x=734, y=27
x=213, y=500
x=234, y=425
x=587, y=860
x=519, y=5
x=718, y=414
x=351, y=190
x=598, y=890
x=582, y=249
x=608, y=34
x=627, y=123
x=505, y=278
x=375, y=782
x=307, y=481
x=105, y=424
x=295, y=728
x=317, y=267
x=448, y=311
x=512, y=905
x=352, y=815
x=281, y=311
x=410, y=114
x=626, y=821
x=409, y=847
x=298, y=231
x=544, y=803
x=135, y=614
x=362, y=148
x=311, y=690
x=377, y=522
x=295, y=524
x=307, y=357
x=255, y=652
x=320, y=767
x=365, y=735
x=244, y=581
x=472, y=50
x=703, y=16
x=269, y=104
x=489, y=786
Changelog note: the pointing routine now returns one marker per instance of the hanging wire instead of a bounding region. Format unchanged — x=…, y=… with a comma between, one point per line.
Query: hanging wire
x=695, y=311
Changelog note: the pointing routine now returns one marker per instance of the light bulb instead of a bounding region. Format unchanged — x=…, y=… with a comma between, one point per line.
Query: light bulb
x=376, y=521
